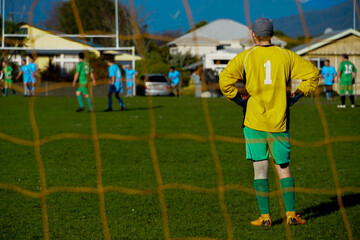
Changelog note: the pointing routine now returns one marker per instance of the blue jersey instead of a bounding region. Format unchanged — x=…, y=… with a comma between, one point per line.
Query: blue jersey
x=26, y=73
x=33, y=68
x=130, y=73
x=328, y=73
x=175, y=77
x=114, y=71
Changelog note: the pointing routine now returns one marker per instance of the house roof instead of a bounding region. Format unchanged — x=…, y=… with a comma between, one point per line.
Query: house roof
x=323, y=40
x=193, y=66
x=121, y=55
x=218, y=30
x=215, y=32
x=54, y=32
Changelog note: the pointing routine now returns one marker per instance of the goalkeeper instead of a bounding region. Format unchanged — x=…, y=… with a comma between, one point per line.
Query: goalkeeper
x=266, y=71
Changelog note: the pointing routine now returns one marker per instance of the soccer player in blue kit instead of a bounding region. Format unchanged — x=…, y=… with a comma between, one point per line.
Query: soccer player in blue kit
x=329, y=74
x=26, y=72
x=130, y=75
x=33, y=67
x=115, y=84
x=175, y=79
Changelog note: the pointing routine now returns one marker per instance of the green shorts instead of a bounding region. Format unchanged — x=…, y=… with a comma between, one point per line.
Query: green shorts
x=259, y=143
x=83, y=88
x=8, y=83
x=346, y=88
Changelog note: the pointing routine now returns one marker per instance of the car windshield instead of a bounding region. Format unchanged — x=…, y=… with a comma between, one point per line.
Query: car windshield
x=157, y=79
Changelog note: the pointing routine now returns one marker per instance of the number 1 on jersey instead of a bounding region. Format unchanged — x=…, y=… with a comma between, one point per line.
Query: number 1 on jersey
x=267, y=66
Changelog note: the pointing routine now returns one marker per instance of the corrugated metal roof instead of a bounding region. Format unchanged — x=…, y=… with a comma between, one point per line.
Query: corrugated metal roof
x=193, y=66
x=323, y=40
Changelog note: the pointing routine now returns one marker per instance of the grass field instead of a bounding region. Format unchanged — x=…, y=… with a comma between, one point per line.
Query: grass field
x=186, y=165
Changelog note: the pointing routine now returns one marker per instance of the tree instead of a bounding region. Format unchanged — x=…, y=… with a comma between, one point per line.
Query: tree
x=154, y=64
x=159, y=60
x=291, y=42
x=97, y=17
x=198, y=25
x=11, y=28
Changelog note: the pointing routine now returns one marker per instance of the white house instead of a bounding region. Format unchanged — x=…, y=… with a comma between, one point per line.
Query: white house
x=222, y=32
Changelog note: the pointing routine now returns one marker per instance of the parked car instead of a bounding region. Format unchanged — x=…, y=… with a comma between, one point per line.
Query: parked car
x=155, y=85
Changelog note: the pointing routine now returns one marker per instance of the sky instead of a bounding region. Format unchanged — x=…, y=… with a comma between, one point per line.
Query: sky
x=171, y=14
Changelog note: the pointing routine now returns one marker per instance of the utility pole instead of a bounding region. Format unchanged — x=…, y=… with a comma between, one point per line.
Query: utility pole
x=3, y=24
x=354, y=15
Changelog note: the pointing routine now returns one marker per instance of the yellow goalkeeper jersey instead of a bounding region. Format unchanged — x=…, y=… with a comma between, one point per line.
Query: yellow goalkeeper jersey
x=267, y=71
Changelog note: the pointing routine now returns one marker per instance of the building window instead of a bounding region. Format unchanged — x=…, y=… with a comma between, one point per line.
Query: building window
x=174, y=51
x=221, y=61
x=69, y=66
x=23, y=31
x=318, y=62
x=70, y=56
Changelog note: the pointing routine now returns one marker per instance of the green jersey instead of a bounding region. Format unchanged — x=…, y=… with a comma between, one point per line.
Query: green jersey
x=7, y=73
x=84, y=69
x=346, y=68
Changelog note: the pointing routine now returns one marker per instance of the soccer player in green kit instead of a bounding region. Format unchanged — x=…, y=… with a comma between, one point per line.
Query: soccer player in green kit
x=267, y=71
x=347, y=75
x=83, y=70
x=7, y=71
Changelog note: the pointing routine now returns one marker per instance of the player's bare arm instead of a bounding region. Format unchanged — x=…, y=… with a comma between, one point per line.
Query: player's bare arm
x=93, y=78
x=19, y=75
x=338, y=76
x=76, y=76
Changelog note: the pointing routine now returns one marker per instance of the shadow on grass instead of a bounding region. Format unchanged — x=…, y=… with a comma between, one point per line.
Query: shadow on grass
x=131, y=109
x=327, y=208
x=143, y=108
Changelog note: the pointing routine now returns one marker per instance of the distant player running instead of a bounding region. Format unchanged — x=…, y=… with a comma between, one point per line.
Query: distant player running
x=115, y=84
x=175, y=79
x=130, y=78
x=347, y=75
x=83, y=71
x=33, y=68
x=266, y=71
x=26, y=72
x=7, y=71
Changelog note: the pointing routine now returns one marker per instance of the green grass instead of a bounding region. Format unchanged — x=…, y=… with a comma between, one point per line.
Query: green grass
x=129, y=164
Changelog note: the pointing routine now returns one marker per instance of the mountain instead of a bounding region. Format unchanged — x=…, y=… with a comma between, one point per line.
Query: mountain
x=175, y=17
x=337, y=17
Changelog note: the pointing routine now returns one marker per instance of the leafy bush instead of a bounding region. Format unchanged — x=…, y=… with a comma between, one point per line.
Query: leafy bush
x=54, y=73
